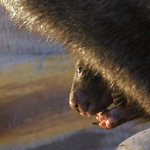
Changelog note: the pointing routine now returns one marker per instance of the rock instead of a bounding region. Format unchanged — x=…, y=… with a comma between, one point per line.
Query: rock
x=139, y=141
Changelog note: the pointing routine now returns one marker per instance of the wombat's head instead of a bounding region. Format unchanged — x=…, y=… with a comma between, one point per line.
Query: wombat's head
x=89, y=93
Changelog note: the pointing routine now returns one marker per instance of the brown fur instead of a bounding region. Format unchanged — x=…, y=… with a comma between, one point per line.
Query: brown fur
x=113, y=36
x=91, y=94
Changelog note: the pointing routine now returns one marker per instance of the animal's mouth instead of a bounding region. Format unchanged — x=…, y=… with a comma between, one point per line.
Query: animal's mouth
x=103, y=119
x=90, y=105
x=108, y=115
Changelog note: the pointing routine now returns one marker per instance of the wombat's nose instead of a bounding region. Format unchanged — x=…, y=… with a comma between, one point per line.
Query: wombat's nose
x=73, y=102
x=74, y=105
x=79, y=101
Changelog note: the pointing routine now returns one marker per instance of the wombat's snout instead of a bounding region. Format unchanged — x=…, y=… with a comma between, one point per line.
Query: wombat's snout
x=73, y=105
x=79, y=102
x=73, y=102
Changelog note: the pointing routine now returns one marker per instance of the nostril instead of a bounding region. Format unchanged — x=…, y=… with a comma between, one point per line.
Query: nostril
x=76, y=106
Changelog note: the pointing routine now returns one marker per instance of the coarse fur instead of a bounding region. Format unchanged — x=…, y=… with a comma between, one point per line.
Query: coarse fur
x=112, y=35
x=91, y=95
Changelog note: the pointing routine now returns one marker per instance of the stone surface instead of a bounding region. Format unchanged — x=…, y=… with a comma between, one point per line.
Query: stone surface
x=139, y=141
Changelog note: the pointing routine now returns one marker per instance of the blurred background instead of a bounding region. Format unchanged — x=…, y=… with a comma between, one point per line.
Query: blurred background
x=35, y=81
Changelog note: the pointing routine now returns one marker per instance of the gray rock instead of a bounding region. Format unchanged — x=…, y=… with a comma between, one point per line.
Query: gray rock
x=139, y=141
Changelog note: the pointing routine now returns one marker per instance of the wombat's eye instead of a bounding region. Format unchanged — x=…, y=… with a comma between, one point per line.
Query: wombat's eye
x=79, y=69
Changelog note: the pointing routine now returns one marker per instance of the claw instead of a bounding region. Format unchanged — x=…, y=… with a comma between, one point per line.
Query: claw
x=95, y=123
